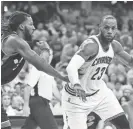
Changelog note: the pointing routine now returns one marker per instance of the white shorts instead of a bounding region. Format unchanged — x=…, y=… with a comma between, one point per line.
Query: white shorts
x=103, y=103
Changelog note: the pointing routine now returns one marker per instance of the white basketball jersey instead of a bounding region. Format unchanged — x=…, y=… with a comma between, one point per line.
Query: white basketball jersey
x=92, y=71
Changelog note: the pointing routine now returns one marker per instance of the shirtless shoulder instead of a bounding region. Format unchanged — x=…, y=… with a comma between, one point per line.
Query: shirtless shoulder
x=117, y=47
x=8, y=43
x=88, y=48
x=13, y=44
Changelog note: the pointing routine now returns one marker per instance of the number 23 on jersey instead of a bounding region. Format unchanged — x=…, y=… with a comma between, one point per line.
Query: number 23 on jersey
x=98, y=73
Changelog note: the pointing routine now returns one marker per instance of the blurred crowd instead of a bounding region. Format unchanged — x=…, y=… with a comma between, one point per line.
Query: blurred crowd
x=65, y=28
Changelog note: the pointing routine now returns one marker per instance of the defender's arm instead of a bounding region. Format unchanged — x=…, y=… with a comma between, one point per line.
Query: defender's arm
x=28, y=54
x=121, y=54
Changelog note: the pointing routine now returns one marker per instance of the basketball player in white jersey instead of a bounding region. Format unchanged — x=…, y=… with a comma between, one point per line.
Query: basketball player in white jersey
x=87, y=92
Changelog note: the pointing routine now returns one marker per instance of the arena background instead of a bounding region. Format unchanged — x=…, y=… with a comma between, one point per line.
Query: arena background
x=85, y=16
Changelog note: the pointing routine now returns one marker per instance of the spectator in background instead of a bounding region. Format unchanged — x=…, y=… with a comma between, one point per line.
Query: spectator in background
x=66, y=17
x=6, y=100
x=118, y=12
x=112, y=81
x=19, y=89
x=130, y=25
x=81, y=35
x=130, y=78
x=70, y=49
x=126, y=90
x=57, y=28
x=17, y=104
x=117, y=90
x=8, y=13
x=69, y=35
x=40, y=33
x=123, y=100
x=6, y=88
x=121, y=78
x=94, y=30
x=57, y=47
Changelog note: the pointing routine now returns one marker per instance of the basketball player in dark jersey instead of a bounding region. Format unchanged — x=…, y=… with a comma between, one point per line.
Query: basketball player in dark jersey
x=15, y=50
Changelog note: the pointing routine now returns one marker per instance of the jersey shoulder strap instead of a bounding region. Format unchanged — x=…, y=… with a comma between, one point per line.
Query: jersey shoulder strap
x=90, y=39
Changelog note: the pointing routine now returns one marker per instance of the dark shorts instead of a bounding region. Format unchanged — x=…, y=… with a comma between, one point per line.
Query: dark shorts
x=4, y=119
x=41, y=114
x=92, y=120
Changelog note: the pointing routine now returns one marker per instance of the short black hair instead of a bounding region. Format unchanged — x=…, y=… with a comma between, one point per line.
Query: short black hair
x=16, y=19
x=107, y=17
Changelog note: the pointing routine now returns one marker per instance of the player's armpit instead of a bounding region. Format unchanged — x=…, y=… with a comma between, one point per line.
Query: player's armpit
x=24, y=49
x=88, y=49
x=121, y=54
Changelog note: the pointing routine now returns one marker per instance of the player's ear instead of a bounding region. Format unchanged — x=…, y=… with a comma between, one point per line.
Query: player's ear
x=21, y=27
x=100, y=26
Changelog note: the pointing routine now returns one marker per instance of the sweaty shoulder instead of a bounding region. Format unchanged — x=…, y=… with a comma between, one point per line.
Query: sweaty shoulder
x=12, y=39
x=9, y=45
x=88, y=48
x=117, y=47
x=17, y=42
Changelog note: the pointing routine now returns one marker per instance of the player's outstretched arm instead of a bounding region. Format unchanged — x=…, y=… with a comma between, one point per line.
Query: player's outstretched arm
x=24, y=49
x=122, y=55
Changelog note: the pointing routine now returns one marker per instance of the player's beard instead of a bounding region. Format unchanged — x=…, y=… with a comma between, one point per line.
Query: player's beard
x=27, y=35
x=107, y=40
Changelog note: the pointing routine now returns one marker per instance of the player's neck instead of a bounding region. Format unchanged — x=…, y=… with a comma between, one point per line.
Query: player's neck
x=103, y=42
x=20, y=34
